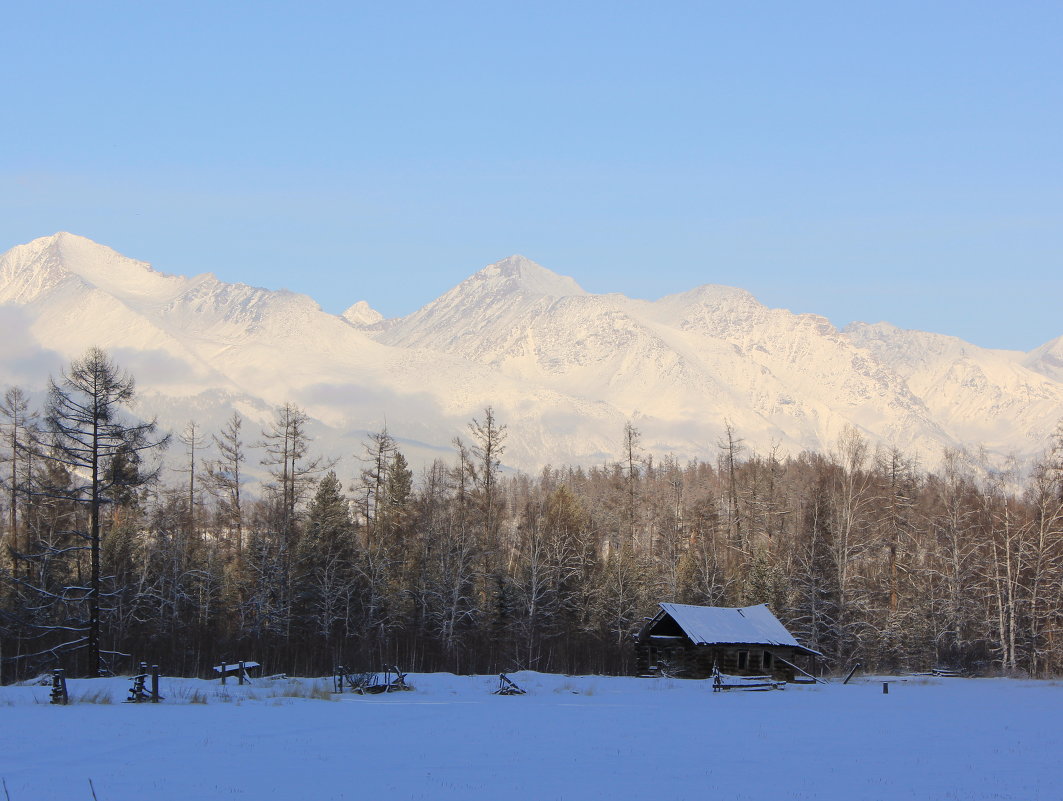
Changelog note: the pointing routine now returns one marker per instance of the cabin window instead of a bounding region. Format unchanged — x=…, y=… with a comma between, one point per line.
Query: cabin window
x=743, y=660
x=767, y=660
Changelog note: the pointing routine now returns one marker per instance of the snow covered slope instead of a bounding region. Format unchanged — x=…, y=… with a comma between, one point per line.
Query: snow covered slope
x=1047, y=359
x=979, y=395
x=563, y=368
x=198, y=345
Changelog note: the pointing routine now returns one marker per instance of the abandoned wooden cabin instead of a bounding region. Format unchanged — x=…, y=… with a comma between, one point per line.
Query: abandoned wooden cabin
x=687, y=641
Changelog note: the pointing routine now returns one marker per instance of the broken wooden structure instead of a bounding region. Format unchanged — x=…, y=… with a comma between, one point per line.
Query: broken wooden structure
x=239, y=669
x=59, y=694
x=389, y=680
x=722, y=682
x=688, y=641
x=506, y=686
x=139, y=693
x=948, y=673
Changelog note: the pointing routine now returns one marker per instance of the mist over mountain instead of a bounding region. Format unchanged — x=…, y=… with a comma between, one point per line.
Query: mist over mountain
x=564, y=369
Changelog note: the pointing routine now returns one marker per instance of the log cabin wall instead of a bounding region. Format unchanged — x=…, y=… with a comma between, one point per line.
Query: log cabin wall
x=686, y=660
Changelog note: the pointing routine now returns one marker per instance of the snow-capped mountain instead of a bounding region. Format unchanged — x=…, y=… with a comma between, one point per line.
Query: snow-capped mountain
x=563, y=368
x=987, y=397
x=681, y=365
x=1047, y=359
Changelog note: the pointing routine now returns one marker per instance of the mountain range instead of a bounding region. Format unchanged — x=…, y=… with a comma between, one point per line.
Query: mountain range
x=564, y=369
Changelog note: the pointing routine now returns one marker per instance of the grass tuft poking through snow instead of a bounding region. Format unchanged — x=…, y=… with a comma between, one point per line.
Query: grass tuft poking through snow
x=319, y=690
x=95, y=696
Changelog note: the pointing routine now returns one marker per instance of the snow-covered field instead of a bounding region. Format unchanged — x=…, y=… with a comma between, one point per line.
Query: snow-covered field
x=586, y=737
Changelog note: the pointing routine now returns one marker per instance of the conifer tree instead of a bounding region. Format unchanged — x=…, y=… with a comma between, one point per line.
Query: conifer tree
x=323, y=583
x=99, y=451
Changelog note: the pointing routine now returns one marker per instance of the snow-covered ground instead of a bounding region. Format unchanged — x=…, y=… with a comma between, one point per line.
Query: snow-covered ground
x=586, y=737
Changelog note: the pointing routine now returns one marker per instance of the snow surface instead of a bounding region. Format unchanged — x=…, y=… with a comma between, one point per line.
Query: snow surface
x=583, y=737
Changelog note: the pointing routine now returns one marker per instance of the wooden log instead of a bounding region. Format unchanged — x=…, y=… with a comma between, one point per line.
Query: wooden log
x=856, y=667
x=799, y=670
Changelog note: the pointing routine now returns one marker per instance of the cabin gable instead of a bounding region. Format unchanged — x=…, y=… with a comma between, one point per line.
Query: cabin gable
x=690, y=641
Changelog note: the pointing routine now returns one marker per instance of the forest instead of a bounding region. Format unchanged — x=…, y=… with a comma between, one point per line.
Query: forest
x=467, y=567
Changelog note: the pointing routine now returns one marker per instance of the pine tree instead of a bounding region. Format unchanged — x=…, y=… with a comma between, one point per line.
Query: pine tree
x=325, y=555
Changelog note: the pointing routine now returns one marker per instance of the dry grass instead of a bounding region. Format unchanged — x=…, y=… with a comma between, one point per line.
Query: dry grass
x=193, y=695
x=92, y=697
x=317, y=690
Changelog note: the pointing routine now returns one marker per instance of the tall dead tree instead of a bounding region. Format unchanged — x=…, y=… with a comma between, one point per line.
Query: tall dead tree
x=632, y=461
x=19, y=423
x=192, y=439
x=224, y=478
x=101, y=448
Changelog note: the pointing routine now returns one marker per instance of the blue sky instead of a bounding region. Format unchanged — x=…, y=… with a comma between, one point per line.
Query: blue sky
x=865, y=161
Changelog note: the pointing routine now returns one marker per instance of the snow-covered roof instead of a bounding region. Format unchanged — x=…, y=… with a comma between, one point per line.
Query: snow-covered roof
x=717, y=625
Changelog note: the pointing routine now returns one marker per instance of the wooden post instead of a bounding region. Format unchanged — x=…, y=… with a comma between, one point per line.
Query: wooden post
x=59, y=694
x=885, y=688
x=856, y=667
x=223, y=667
x=242, y=674
x=154, y=684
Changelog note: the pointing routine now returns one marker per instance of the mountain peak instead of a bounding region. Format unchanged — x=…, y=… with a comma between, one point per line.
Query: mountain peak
x=64, y=256
x=64, y=243
x=362, y=314
x=1047, y=359
x=519, y=272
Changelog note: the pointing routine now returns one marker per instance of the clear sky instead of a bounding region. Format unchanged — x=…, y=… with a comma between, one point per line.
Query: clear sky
x=866, y=161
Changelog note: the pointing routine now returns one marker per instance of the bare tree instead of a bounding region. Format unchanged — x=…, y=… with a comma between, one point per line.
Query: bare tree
x=225, y=476
x=632, y=462
x=102, y=452
x=19, y=428
x=732, y=449
x=192, y=439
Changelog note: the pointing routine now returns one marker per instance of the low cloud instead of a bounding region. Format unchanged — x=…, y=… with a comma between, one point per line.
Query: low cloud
x=370, y=408
x=23, y=361
x=154, y=367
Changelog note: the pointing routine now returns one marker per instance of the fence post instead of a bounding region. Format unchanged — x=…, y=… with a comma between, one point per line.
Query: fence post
x=59, y=694
x=154, y=684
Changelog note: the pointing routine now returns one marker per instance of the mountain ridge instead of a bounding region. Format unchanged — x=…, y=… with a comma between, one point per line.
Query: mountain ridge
x=563, y=367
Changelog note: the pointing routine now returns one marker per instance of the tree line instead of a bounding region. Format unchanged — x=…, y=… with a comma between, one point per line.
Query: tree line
x=466, y=567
